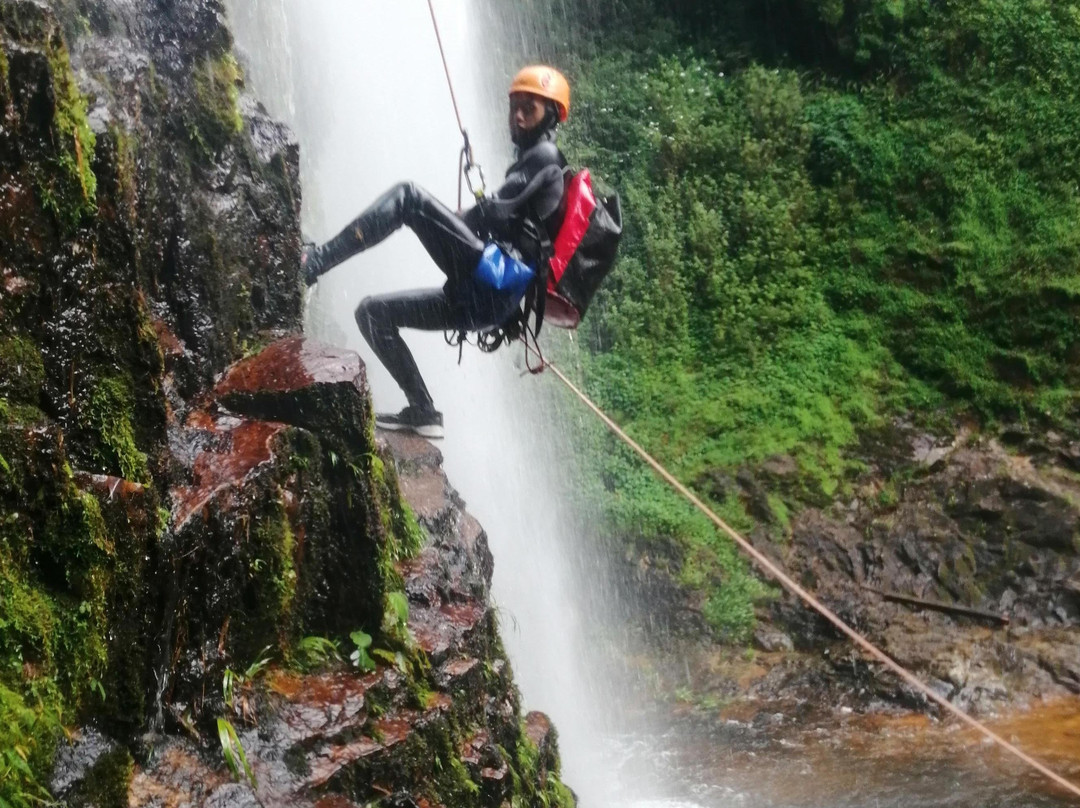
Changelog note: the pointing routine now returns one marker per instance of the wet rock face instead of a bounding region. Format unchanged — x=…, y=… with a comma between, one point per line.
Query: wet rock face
x=171, y=518
x=933, y=525
x=977, y=527
x=437, y=723
x=314, y=386
x=148, y=233
x=279, y=528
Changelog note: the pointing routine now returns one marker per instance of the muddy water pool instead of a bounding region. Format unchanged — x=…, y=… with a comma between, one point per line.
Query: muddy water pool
x=856, y=762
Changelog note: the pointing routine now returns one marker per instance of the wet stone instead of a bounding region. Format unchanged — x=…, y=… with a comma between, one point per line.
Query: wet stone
x=540, y=731
x=232, y=795
x=412, y=453
x=335, y=801
x=303, y=383
x=428, y=497
x=76, y=758
x=231, y=449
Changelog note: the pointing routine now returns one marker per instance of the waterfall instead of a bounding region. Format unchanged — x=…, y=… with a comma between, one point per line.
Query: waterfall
x=362, y=85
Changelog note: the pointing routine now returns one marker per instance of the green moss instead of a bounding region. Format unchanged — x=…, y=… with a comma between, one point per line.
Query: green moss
x=126, y=168
x=271, y=585
x=453, y=784
x=5, y=70
x=405, y=537
x=53, y=630
x=28, y=624
x=22, y=414
x=107, y=783
x=216, y=119
x=286, y=579
x=22, y=372
x=69, y=190
x=110, y=416
x=535, y=779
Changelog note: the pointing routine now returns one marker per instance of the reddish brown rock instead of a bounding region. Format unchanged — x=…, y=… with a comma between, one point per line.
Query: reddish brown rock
x=303, y=383
x=232, y=450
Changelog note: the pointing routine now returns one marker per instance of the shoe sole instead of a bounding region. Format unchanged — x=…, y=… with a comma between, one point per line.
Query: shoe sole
x=431, y=431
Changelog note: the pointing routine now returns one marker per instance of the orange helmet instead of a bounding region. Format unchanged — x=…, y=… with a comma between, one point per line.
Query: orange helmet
x=546, y=82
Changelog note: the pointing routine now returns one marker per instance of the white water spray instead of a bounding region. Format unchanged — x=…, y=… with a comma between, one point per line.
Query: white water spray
x=362, y=85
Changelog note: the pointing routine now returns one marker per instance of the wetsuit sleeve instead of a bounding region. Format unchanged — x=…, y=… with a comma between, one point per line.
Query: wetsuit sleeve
x=536, y=178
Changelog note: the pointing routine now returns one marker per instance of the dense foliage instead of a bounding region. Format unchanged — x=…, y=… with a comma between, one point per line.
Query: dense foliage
x=838, y=211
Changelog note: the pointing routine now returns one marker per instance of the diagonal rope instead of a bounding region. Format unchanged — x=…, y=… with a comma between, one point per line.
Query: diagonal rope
x=769, y=567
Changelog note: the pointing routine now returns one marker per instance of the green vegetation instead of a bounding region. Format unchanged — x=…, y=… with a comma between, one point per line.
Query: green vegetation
x=233, y=752
x=22, y=372
x=314, y=652
x=536, y=780
x=5, y=70
x=109, y=415
x=69, y=191
x=837, y=211
x=217, y=95
x=26, y=746
x=360, y=658
x=55, y=585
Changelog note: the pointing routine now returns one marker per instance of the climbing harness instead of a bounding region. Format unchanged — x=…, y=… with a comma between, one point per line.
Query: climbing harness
x=466, y=162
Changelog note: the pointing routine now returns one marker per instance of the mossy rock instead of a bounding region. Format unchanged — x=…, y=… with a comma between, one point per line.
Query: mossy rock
x=106, y=784
x=22, y=373
x=214, y=119
x=109, y=416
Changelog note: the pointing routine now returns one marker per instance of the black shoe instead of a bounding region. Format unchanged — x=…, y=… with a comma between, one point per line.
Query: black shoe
x=309, y=263
x=424, y=422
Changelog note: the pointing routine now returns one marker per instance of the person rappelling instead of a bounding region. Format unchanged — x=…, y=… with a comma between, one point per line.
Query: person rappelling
x=488, y=254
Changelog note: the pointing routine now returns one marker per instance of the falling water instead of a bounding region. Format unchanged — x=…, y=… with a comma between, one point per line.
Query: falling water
x=362, y=85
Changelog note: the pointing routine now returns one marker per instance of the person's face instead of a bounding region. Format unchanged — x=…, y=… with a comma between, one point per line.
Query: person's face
x=526, y=112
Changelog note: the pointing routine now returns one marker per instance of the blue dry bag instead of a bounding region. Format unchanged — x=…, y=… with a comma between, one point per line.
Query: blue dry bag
x=503, y=272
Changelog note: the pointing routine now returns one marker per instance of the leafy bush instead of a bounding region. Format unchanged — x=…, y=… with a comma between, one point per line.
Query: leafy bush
x=875, y=212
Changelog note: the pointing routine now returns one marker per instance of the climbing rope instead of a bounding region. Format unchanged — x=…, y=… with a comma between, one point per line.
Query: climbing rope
x=466, y=163
x=769, y=567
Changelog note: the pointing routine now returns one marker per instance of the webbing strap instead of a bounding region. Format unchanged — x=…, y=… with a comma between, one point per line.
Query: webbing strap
x=770, y=568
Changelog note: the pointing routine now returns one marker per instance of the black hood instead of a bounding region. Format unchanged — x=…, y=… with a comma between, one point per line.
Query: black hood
x=544, y=130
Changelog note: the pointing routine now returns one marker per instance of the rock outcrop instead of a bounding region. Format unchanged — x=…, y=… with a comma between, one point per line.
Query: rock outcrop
x=967, y=528
x=437, y=719
x=958, y=557
x=182, y=547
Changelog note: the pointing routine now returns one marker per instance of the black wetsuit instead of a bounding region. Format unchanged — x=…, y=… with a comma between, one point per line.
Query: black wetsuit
x=533, y=190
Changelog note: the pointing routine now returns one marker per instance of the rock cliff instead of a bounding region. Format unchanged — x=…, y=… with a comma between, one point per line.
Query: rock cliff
x=198, y=526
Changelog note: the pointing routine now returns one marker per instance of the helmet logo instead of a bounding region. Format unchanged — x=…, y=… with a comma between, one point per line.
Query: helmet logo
x=545, y=80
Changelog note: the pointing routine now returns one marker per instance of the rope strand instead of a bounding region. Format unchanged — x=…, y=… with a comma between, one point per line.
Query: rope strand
x=466, y=163
x=446, y=68
x=769, y=567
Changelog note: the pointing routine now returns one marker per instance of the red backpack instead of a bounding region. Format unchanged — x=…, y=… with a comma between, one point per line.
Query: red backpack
x=582, y=254
x=571, y=268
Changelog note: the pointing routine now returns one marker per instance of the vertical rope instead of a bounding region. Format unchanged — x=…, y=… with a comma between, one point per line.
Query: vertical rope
x=446, y=67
